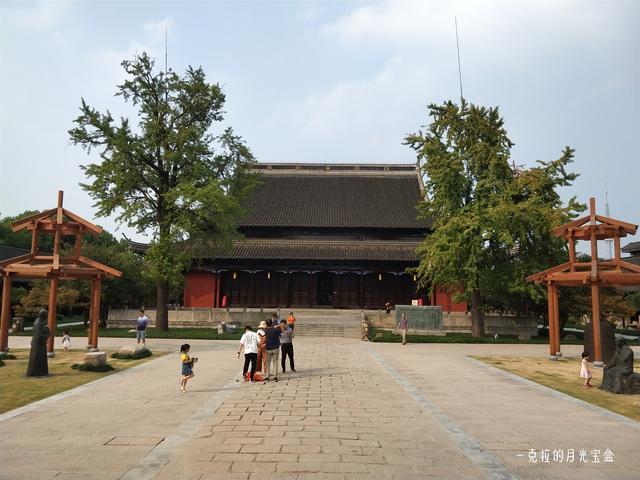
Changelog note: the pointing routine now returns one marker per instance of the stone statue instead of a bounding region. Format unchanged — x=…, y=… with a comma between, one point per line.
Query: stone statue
x=618, y=376
x=38, y=365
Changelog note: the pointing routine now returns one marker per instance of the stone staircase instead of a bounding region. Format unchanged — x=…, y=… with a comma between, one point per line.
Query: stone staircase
x=328, y=323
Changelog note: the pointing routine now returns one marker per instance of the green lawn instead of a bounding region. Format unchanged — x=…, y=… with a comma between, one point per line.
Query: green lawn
x=177, y=333
x=376, y=335
x=563, y=376
x=17, y=390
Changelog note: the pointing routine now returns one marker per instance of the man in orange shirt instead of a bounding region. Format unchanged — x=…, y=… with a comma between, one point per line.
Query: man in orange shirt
x=291, y=320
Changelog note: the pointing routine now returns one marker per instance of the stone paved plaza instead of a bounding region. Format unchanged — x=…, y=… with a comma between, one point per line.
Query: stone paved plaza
x=353, y=410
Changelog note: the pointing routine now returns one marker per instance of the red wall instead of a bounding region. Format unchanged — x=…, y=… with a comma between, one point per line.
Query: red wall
x=199, y=289
x=445, y=300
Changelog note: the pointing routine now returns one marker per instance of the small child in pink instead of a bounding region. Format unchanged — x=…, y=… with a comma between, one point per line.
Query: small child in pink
x=585, y=370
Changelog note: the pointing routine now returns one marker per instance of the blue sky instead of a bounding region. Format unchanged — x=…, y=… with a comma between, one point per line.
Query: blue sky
x=330, y=81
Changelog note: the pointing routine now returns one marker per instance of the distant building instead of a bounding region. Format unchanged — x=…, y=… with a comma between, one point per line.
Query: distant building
x=633, y=249
x=320, y=235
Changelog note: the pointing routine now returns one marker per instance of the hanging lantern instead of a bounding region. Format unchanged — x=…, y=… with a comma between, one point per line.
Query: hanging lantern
x=268, y=275
x=235, y=275
x=414, y=278
x=380, y=276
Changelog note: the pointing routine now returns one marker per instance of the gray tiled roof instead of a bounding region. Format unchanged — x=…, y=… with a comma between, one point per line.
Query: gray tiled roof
x=631, y=247
x=7, y=252
x=335, y=201
x=280, y=249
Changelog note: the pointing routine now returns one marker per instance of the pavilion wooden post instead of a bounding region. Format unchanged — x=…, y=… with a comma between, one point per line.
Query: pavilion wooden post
x=556, y=320
x=6, y=313
x=52, y=321
x=94, y=313
x=595, y=324
x=552, y=323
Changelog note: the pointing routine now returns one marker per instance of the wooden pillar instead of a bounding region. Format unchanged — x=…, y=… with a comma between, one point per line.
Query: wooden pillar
x=219, y=279
x=94, y=313
x=288, y=274
x=551, y=313
x=213, y=293
x=6, y=313
x=52, y=321
x=556, y=320
x=595, y=324
x=361, y=292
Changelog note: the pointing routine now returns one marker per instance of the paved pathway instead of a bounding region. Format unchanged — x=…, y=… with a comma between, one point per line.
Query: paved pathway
x=353, y=410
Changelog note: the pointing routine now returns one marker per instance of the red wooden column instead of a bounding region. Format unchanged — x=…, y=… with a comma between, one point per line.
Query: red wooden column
x=556, y=320
x=6, y=313
x=552, y=335
x=595, y=324
x=94, y=313
x=219, y=280
x=52, y=321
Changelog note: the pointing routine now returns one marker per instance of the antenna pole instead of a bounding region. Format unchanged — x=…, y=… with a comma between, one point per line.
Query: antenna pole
x=606, y=207
x=459, y=67
x=166, y=56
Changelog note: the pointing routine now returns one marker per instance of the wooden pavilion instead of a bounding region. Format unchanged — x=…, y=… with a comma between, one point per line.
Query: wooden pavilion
x=56, y=266
x=607, y=273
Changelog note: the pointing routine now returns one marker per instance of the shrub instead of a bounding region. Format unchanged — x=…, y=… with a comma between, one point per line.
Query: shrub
x=142, y=353
x=91, y=368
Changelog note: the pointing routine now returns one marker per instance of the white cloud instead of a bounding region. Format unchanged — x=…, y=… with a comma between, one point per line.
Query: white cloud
x=39, y=15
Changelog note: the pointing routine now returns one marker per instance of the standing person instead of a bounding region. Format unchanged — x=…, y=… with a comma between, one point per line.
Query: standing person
x=66, y=341
x=275, y=319
x=187, y=366
x=585, y=370
x=291, y=320
x=403, y=325
x=286, y=344
x=250, y=343
x=273, y=347
x=262, y=346
x=141, y=327
x=387, y=307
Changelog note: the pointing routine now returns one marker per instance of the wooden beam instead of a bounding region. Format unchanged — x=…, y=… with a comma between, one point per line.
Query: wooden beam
x=108, y=270
x=616, y=250
x=25, y=222
x=5, y=313
x=95, y=229
x=34, y=240
x=541, y=276
x=77, y=247
x=630, y=228
x=559, y=231
x=595, y=322
x=52, y=321
x=16, y=260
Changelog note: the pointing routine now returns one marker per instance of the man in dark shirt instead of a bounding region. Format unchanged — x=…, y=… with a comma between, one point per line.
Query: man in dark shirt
x=273, y=347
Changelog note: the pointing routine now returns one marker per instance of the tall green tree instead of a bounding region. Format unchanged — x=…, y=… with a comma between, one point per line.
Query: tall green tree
x=168, y=174
x=492, y=222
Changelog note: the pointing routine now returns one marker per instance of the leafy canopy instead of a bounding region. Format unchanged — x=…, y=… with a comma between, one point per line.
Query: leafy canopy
x=492, y=222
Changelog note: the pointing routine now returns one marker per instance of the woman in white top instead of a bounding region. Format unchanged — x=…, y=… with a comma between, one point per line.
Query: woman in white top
x=250, y=343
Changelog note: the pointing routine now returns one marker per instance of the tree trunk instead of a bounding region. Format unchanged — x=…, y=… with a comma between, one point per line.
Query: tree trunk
x=477, y=316
x=162, y=310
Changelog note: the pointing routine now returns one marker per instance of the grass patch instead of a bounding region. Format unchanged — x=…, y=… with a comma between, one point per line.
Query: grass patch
x=17, y=390
x=563, y=376
x=175, y=333
x=377, y=335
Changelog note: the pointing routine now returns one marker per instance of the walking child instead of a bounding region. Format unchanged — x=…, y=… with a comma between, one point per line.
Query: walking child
x=66, y=341
x=187, y=366
x=585, y=370
x=249, y=342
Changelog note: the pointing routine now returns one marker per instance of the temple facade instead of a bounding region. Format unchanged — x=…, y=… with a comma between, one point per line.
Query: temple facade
x=320, y=236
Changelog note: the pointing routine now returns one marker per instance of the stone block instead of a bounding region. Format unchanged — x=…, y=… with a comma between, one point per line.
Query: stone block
x=95, y=359
x=132, y=350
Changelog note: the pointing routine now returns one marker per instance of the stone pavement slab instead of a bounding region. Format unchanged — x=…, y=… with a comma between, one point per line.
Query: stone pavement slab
x=352, y=411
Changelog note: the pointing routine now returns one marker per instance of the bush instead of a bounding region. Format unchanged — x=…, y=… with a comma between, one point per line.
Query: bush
x=7, y=356
x=90, y=368
x=142, y=353
x=1, y=363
